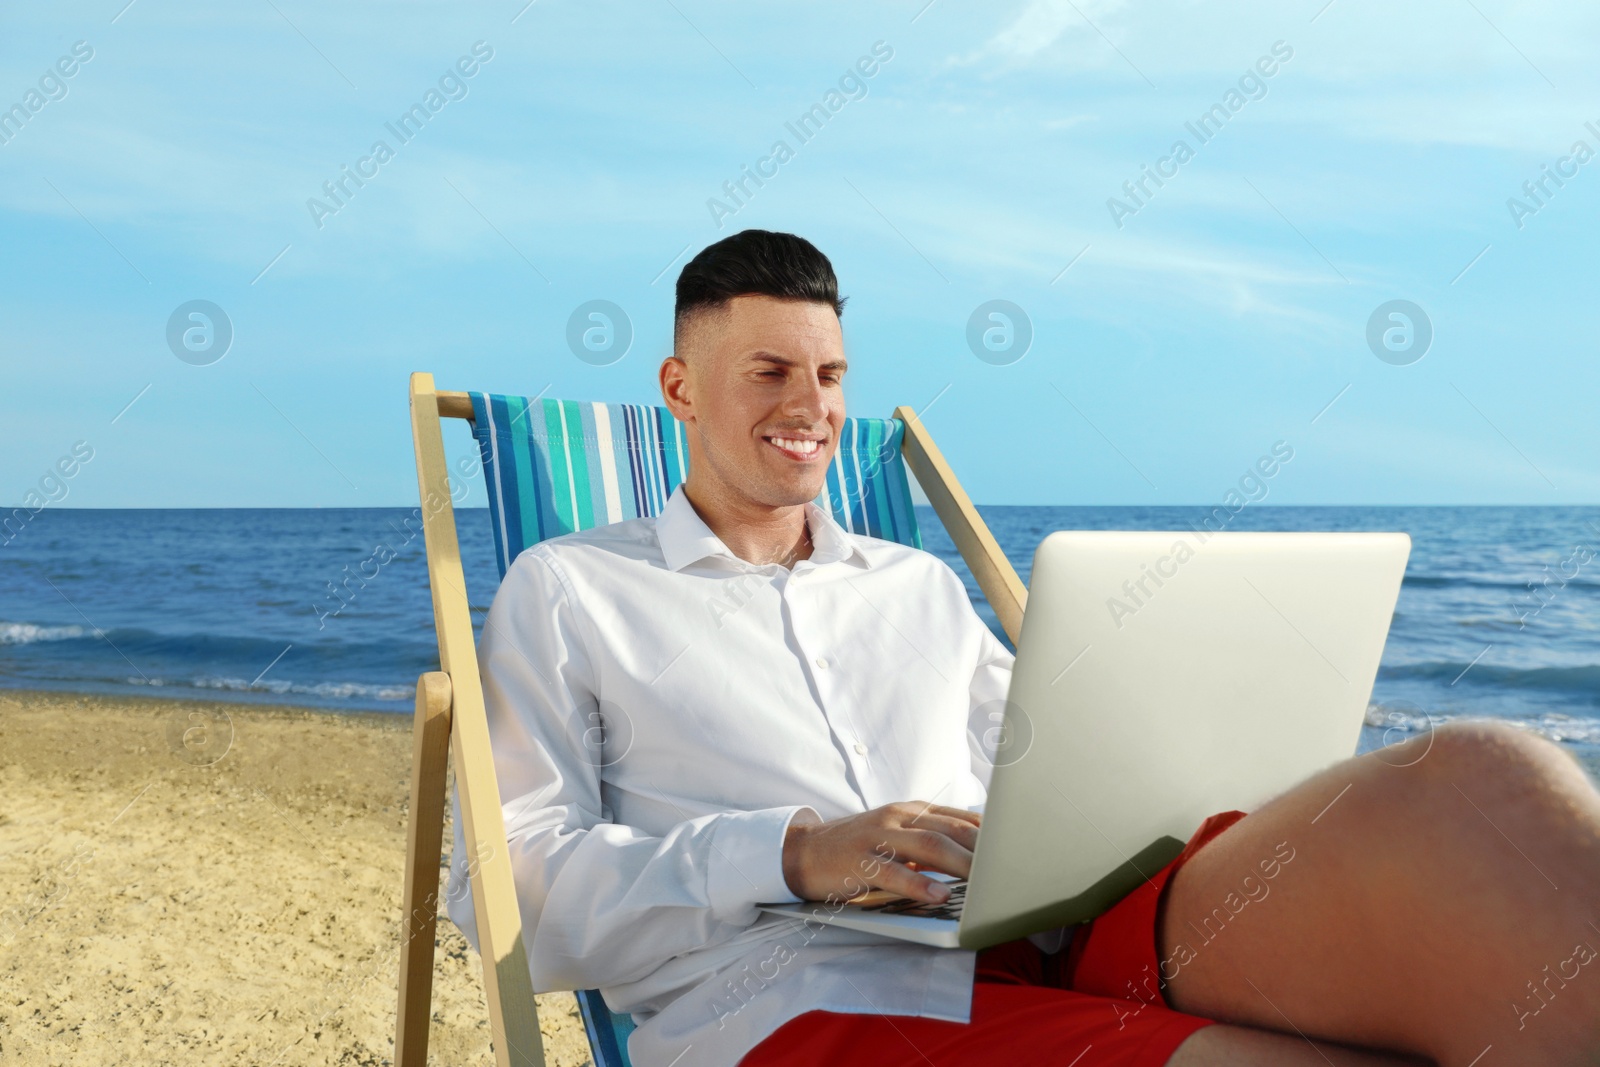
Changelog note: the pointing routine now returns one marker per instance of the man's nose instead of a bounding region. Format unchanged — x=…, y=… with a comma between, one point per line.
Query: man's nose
x=806, y=398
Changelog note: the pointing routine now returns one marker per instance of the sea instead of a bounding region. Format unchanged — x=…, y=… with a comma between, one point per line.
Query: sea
x=1499, y=615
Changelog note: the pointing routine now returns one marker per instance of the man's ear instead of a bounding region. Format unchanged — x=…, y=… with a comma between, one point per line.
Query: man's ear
x=674, y=377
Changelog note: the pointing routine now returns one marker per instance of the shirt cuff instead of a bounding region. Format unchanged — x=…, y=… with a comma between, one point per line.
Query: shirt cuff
x=746, y=866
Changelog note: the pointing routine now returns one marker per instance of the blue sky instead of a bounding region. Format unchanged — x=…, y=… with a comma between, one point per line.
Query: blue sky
x=1228, y=312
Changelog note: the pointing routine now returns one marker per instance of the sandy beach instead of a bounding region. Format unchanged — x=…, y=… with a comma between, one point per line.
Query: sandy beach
x=160, y=911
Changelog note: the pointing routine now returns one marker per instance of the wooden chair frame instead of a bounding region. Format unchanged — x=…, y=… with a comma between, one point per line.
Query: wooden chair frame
x=450, y=704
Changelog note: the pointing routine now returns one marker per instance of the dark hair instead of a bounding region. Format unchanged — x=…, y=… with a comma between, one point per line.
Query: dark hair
x=757, y=262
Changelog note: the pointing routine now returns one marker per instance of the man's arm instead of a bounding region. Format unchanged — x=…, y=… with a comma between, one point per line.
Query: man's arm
x=602, y=904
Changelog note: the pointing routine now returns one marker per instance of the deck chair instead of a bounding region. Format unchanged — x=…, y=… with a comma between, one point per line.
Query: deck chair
x=551, y=467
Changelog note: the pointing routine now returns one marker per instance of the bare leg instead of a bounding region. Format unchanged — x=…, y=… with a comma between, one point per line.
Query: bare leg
x=1439, y=898
x=1238, y=1046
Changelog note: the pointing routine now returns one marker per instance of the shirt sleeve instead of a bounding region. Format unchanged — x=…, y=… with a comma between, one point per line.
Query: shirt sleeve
x=990, y=737
x=602, y=904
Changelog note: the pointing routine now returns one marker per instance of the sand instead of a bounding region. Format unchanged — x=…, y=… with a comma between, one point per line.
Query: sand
x=158, y=911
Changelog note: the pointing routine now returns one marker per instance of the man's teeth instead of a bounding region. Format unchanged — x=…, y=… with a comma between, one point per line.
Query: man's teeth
x=803, y=447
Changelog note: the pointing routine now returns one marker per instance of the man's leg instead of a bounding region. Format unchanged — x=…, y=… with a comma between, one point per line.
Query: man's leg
x=1440, y=897
x=1239, y=1046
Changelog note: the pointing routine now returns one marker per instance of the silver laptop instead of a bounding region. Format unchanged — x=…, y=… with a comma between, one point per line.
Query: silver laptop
x=1160, y=678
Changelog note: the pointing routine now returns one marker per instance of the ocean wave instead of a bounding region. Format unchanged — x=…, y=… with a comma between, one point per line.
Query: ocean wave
x=1581, y=678
x=27, y=633
x=1399, y=718
x=1517, y=585
x=214, y=651
x=325, y=690
x=219, y=662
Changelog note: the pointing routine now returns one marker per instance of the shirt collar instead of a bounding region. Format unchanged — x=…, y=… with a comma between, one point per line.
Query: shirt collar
x=684, y=536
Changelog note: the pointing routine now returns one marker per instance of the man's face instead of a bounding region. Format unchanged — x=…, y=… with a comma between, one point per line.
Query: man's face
x=760, y=385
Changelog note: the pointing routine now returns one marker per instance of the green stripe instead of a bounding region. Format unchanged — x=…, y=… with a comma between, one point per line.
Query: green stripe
x=580, y=467
x=880, y=482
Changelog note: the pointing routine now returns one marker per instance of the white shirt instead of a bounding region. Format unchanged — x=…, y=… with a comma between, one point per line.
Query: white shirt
x=659, y=710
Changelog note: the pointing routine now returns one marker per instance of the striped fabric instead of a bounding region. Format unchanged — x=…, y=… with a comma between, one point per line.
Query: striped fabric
x=555, y=466
x=608, y=1033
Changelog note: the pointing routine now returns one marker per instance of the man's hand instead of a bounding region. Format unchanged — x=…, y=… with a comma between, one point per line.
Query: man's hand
x=881, y=849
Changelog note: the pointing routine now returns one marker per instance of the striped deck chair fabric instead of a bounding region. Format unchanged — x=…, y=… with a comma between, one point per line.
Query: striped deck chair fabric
x=555, y=466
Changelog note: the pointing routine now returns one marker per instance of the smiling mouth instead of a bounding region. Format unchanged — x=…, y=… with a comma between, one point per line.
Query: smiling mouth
x=800, y=449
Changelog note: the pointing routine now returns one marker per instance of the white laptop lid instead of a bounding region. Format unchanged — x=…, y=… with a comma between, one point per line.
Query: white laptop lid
x=1162, y=678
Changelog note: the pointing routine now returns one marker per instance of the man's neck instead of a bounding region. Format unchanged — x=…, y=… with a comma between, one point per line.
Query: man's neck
x=755, y=533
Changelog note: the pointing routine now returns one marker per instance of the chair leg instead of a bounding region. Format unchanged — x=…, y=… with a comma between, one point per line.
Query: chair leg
x=430, y=758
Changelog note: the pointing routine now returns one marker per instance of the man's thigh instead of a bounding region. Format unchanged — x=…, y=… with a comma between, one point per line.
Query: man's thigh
x=1316, y=914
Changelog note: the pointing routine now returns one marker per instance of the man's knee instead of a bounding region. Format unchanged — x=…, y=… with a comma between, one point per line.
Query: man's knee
x=1487, y=745
x=1481, y=758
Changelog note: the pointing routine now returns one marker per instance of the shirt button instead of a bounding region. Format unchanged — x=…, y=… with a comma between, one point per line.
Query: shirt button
x=822, y=663
x=861, y=750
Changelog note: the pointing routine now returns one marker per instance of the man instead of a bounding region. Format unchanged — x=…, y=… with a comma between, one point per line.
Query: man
x=787, y=712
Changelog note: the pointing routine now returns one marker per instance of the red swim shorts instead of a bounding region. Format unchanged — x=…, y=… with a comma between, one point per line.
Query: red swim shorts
x=1096, y=1005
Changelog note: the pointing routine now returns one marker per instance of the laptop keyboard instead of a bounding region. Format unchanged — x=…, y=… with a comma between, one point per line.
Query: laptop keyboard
x=950, y=909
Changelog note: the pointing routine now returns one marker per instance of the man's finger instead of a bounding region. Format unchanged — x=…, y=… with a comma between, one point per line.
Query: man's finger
x=960, y=831
x=963, y=814
x=931, y=850
x=899, y=879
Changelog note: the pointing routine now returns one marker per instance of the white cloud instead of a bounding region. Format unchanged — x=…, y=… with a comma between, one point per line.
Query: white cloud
x=1040, y=25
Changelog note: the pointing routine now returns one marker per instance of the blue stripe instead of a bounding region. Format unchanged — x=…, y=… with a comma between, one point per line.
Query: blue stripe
x=638, y=459
x=484, y=432
x=499, y=420
x=658, y=459
x=602, y=1028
